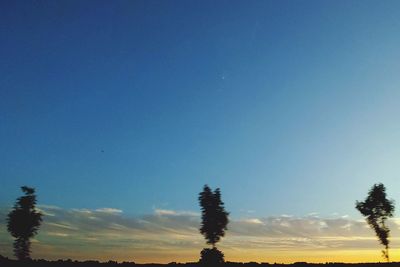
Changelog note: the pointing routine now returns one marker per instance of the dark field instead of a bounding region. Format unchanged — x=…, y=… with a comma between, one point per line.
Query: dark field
x=4, y=262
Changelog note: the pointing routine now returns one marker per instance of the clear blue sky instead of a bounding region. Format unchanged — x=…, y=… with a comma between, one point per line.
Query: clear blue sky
x=290, y=107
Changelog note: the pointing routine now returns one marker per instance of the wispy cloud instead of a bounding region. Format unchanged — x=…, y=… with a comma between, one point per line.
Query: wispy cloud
x=170, y=235
x=253, y=221
x=109, y=210
x=175, y=213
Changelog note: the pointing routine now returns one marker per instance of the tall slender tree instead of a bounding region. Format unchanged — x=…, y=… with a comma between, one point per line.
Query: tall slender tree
x=377, y=209
x=23, y=222
x=214, y=223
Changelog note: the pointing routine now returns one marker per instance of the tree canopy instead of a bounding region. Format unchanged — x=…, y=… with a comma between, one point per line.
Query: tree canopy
x=23, y=222
x=377, y=209
x=214, y=217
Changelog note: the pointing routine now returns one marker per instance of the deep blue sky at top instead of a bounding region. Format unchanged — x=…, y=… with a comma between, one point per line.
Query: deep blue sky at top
x=288, y=106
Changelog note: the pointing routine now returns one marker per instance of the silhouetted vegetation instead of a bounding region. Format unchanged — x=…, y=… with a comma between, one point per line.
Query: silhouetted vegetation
x=70, y=263
x=211, y=257
x=377, y=208
x=23, y=223
x=24, y=220
x=214, y=223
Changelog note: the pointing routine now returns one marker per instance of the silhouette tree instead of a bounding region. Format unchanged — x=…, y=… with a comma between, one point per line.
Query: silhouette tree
x=214, y=223
x=377, y=208
x=23, y=223
x=211, y=257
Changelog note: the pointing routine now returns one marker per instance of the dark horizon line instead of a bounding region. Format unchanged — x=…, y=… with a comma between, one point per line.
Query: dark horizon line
x=64, y=262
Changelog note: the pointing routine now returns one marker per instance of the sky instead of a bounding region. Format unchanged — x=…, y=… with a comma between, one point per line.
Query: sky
x=118, y=114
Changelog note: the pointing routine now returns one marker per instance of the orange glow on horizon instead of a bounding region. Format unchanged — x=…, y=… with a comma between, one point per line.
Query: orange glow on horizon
x=322, y=256
x=238, y=255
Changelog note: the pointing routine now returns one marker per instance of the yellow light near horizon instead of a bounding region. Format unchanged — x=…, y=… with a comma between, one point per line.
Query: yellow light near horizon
x=235, y=254
x=239, y=255
x=322, y=256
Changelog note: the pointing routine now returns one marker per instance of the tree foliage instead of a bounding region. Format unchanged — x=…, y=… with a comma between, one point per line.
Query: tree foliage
x=23, y=222
x=214, y=217
x=377, y=209
x=211, y=257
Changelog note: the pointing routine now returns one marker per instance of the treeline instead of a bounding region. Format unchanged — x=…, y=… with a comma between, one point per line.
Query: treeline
x=5, y=262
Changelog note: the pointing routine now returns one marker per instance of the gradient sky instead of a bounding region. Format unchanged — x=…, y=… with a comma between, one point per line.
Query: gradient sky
x=290, y=107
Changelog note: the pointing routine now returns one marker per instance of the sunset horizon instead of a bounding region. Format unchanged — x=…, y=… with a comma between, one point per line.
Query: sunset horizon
x=165, y=236
x=200, y=131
